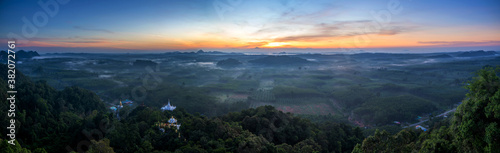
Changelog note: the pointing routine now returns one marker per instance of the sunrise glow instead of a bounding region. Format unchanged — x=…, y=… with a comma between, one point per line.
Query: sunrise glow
x=183, y=25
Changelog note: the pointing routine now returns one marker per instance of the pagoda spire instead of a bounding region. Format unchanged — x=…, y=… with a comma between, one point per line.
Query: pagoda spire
x=168, y=107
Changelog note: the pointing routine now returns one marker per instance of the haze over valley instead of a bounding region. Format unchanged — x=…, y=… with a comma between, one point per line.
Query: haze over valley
x=249, y=76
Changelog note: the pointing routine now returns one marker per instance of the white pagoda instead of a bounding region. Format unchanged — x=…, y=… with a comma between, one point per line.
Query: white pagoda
x=168, y=107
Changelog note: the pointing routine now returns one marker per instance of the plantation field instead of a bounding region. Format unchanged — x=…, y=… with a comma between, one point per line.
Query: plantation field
x=367, y=89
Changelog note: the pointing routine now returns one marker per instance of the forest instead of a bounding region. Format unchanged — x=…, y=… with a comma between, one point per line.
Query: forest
x=244, y=107
x=59, y=121
x=250, y=76
x=473, y=128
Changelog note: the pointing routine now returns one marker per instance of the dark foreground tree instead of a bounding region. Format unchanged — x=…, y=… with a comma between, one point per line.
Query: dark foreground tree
x=477, y=119
x=474, y=128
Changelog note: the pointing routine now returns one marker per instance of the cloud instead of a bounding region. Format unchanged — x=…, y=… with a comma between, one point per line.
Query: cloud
x=66, y=42
x=75, y=39
x=312, y=37
x=324, y=31
x=342, y=29
x=92, y=29
x=273, y=29
x=301, y=13
x=461, y=43
x=255, y=44
x=392, y=31
x=88, y=41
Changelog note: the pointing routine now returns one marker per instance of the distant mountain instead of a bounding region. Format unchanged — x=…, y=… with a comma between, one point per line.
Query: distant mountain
x=280, y=60
x=19, y=55
x=440, y=56
x=210, y=52
x=144, y=63
x=230, y=62
x=201, y=52
x=385, y=56
x=476, y=53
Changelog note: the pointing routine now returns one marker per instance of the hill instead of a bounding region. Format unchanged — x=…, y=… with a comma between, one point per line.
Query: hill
x=144, y=63
x=280, y=61
x=440, y=56
x=230, y=62
x=476, y=53
x=75, y=119
x=21, y=54
x=43, y=113
x=473, y=128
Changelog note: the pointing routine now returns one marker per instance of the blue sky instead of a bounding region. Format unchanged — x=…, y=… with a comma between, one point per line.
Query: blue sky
x=269, y=25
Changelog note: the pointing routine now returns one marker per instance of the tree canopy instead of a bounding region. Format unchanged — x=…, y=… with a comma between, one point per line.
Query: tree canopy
x=474, y=127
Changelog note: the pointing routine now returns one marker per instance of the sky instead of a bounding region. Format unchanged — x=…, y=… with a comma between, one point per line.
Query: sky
x=251, y=26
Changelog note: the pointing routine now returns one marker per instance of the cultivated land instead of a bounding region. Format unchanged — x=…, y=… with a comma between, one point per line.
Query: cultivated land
x=367, y=89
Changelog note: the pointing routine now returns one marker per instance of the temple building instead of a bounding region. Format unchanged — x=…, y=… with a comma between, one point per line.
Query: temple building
x=172, y=123
x=168, y=107
x=121, y=105
x=420, y=127
x=178, y=126
x=128, y=102
x=116, y=109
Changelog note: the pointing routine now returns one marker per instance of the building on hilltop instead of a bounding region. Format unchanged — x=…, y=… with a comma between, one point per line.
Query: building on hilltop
x=120, y=106
x=171, y=123
x=168, y=107
x=420, y=127
x=128, y=102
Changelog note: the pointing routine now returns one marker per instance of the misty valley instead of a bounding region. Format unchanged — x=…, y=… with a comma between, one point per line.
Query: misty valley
x=366, y=89
x=247, y=102
x=250, y=76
